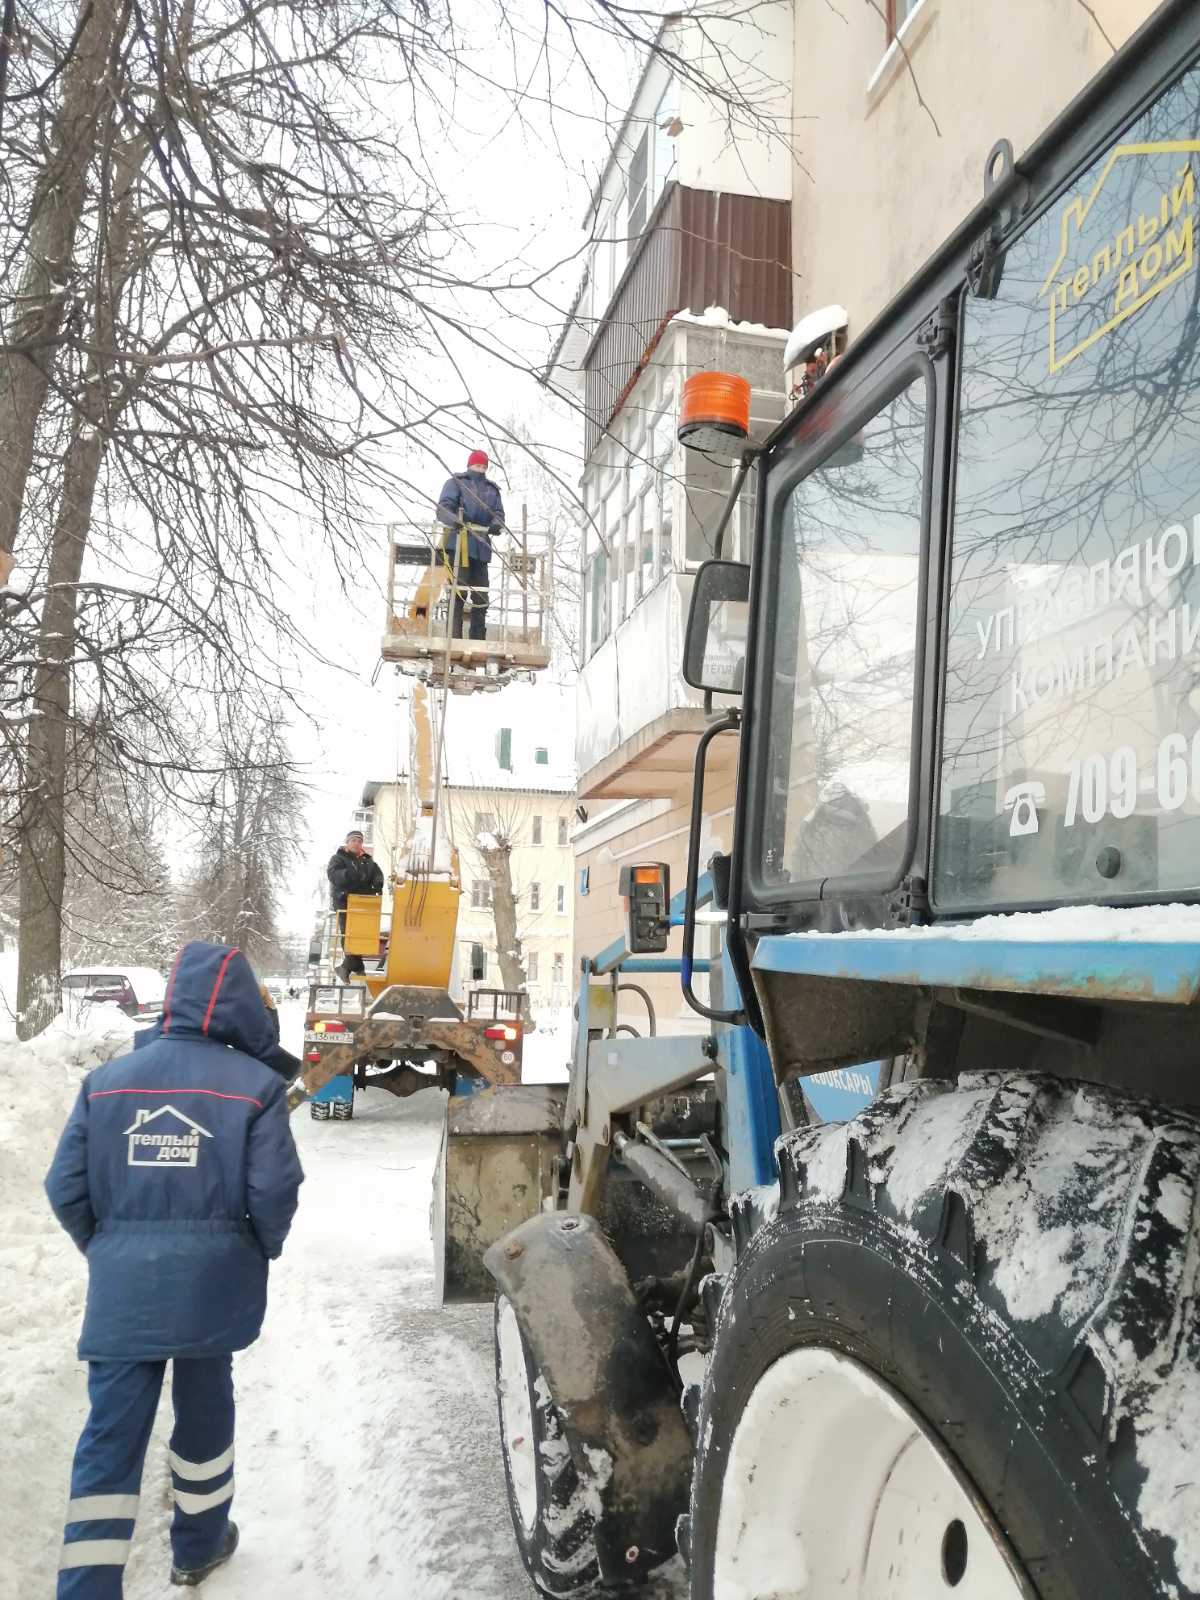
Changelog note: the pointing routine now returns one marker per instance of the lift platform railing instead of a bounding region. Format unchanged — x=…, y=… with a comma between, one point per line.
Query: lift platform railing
x=422, y=587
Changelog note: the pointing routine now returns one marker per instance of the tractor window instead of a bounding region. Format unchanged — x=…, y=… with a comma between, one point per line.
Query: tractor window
x=1070, y=766
x=843, y=667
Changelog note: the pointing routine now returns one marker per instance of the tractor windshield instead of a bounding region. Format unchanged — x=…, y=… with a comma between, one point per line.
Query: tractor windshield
x=846, y=595
x=1070, y=759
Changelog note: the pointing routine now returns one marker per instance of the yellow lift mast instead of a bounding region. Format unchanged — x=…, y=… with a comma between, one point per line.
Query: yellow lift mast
x=411, y=1024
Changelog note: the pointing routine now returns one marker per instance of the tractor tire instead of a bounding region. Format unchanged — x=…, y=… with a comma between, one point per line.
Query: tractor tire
x=965, y=1353
x=343, y=1110
x=551, y=1508
x=319, y=1110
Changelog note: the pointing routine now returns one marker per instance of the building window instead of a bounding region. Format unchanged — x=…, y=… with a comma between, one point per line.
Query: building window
x=662, y=456
x=562, y=833
x=531, y=970
x=597, y=601
x=364, y=821
x=560, y=898
x=535, y=834
x=639, y=187
x=667, y=128
x=485, y=822
x=535, y=897
x=504, y=748
x=541, y=756
x=478, y=963
x=481, y=894
x=585, y=876
x=558, y=966
x=898, y=13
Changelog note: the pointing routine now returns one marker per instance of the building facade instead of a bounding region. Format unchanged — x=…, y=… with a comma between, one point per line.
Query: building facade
x=689, y=268
x=897, y=110
x=883, y=121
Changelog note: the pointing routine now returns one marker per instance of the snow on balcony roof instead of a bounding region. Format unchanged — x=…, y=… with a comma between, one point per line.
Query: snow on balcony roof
x=718, y=317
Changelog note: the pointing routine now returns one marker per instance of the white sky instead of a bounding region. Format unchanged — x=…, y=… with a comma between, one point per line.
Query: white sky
x=523, y=185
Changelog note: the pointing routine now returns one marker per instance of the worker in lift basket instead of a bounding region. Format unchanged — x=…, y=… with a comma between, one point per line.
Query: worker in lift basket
x=472, y=512
x=351, y=871
x=177, y=1177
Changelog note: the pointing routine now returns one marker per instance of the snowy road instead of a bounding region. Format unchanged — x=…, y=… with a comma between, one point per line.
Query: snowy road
x=367, y=1460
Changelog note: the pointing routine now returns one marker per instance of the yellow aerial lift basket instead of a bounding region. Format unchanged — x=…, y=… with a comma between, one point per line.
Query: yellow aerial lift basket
x=420, y=940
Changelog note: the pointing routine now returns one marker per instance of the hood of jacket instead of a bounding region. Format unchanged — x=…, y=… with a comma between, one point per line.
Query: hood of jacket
x=212, y=993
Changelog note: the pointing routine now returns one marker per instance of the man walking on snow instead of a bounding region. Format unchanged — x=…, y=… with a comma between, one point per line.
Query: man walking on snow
x=177, y=1177
x=471, y=501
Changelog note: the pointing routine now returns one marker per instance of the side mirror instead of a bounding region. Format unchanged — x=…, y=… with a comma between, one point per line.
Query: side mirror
x=714, y=651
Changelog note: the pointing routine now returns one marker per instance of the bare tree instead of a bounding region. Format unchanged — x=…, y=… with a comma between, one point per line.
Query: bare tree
x=226, y=272
x=248, y=845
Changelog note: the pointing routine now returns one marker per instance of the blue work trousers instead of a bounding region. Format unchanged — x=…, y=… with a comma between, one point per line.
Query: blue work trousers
x=107, y=1475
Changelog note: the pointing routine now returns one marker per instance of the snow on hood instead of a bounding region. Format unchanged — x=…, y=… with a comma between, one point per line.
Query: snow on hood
x=212, y=993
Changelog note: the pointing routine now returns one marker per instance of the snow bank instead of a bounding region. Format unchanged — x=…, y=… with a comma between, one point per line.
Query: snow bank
x=45, y=1279
x=547, y=1057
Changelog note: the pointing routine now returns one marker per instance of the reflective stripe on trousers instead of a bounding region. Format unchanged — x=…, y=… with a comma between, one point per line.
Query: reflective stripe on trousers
x=106, y=1476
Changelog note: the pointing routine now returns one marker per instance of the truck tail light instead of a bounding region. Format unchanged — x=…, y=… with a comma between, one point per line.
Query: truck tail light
x=502, y=1030
x=312, y=1055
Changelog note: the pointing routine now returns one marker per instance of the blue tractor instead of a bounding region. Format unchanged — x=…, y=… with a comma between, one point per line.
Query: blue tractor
x=885, y=1281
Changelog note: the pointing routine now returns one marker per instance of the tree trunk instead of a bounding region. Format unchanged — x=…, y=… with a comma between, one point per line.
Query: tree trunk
x=42, y=870
x=43, y=819
x=504, y=911
x=55, y=211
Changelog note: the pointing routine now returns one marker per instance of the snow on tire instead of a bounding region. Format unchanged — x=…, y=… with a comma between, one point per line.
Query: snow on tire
x=1004, y=1273
x=553, y=1511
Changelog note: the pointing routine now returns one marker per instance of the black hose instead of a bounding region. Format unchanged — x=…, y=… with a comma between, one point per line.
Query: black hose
x=689, y=1289
x=636, y=988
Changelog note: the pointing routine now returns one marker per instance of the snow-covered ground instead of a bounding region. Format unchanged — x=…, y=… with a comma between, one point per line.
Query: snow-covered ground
x=367, y=1458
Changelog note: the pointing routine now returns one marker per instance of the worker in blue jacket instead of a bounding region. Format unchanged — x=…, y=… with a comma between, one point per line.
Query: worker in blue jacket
x=471, y=502
x=177, y=1177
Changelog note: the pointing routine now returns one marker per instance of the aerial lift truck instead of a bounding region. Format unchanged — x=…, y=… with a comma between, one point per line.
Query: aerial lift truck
x=947, y=1342
x=395, y=1025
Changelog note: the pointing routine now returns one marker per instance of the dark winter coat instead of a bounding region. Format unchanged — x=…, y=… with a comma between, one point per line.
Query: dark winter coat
x=351, y=874
x=177, y=1175
x=472, y=497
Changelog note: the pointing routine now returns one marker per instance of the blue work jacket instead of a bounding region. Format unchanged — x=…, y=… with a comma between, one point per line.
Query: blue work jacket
x=473, y=498
x=177, y=1175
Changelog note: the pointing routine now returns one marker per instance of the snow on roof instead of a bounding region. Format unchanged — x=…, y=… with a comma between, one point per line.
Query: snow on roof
x=718, y=317
x=1070, y=924
x=146, y=981
x=540, y=717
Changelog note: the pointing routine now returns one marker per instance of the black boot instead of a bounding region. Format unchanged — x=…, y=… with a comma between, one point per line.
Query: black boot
x=189, y=1577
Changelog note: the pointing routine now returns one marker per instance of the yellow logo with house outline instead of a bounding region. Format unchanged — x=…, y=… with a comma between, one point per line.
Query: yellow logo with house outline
x=1121, y=274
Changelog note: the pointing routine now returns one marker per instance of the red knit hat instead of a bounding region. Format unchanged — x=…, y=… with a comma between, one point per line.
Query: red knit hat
x=477, y=458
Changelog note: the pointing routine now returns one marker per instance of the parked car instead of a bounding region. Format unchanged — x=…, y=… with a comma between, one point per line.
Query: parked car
x=137, y=991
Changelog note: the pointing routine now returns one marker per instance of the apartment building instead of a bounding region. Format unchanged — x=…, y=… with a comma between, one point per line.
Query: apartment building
x=897, y=109
x=710, y=245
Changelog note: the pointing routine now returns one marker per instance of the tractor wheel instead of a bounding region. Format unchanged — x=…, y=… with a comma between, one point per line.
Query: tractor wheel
x=963, y=1356
x=343, y=1110
x=551, y=1508
x=319, y=1110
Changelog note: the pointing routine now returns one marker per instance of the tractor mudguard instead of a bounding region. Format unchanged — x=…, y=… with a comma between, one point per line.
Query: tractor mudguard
x=609, y=1380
